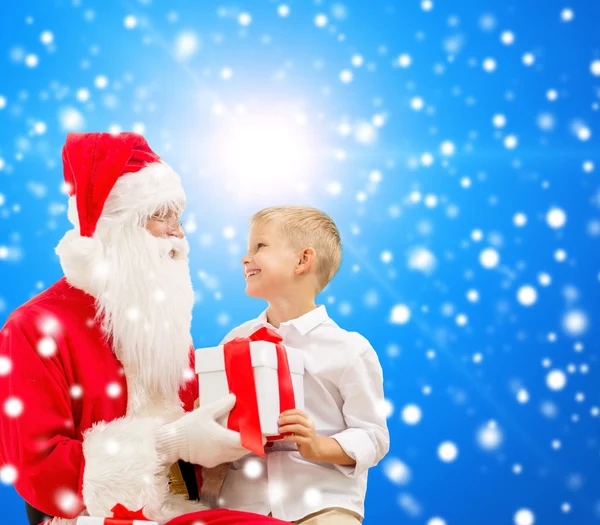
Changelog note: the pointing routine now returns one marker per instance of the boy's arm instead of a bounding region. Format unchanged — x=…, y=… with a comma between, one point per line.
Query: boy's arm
x=366, y=440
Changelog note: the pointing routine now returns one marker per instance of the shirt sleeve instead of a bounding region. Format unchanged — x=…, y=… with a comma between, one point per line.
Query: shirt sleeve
x=238, y=331
x=366, y=440
x=36, y=426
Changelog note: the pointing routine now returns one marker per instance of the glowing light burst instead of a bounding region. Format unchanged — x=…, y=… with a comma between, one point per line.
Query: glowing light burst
x=265, y=154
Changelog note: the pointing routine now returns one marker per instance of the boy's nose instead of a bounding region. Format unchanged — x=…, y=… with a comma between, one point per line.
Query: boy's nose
x=245, y=260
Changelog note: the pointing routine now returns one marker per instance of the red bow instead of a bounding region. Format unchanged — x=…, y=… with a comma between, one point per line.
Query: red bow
x=240, y=378
x=123, y=513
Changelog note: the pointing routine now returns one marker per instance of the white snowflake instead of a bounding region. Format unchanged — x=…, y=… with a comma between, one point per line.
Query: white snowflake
x=244, y=19
x=76, y=391
x=524, y=517
x=66, y=500
x=575, y=322
x=13, y=407
x=489, y=258
x=187, y=45
x=522, y=396
x=520, y=220
x=397, y=471
x=489, y=436
x=5, y=365
x=385, y=408
x=507, y=38
x=321, y=20
x=510, y=142
x=421, y=259
x=113, y=390
x=130, y=22
x=448, y=451
x=556, y=380
x=567, y=14
x=404, y=60
x=400, y=314
x=556, y=218
x=527, y=295
x=411, y=414
x=253, y=468
x=8, y=474
x=46, y=347
x=436, y=521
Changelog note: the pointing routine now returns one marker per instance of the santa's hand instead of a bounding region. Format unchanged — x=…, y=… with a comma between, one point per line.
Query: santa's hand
x=197, y=437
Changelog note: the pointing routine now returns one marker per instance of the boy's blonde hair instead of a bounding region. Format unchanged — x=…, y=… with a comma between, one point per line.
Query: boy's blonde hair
x=307, y=227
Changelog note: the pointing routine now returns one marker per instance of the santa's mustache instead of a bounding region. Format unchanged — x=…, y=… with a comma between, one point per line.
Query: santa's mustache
x=173, y=248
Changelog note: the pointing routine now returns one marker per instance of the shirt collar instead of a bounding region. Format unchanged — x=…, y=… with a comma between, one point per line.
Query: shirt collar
x=304, y=324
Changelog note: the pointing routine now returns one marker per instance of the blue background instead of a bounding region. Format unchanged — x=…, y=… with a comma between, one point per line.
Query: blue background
x=476, y=373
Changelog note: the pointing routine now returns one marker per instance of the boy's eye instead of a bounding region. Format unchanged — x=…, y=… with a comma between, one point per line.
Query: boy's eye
x=260, y=245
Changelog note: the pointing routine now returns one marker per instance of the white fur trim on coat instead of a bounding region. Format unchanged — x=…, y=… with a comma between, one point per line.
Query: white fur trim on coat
x=123, y=466
x=82, y=261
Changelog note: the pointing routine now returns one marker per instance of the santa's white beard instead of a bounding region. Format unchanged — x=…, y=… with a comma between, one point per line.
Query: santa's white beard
x=145, y=303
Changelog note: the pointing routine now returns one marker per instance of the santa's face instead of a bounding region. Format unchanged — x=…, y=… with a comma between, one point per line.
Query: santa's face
x=165, y=224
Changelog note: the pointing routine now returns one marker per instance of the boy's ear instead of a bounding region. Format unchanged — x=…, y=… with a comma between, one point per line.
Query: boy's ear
x=306, y=259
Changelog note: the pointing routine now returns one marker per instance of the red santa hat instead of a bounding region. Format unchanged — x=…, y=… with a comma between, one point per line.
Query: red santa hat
x=116, y=173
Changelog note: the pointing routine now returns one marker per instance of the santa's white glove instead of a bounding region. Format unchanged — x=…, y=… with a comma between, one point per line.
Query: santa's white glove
x=197, y=438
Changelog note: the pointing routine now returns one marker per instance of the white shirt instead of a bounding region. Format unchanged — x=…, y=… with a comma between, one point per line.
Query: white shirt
x=343, y=393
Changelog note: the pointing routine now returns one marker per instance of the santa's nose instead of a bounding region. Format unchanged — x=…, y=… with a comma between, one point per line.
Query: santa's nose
x=178, y=233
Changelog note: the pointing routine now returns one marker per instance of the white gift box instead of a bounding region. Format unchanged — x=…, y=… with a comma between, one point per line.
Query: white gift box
x=210, y=367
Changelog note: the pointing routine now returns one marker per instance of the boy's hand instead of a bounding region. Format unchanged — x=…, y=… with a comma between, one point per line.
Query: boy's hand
x=302, y=427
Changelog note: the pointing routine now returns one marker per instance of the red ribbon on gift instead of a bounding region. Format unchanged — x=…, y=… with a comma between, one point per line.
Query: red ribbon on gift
x=121, y=516
x=121, y=512
x=244, y=417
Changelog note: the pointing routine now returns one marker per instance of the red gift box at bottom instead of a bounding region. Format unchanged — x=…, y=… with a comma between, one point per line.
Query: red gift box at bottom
x=89, y=520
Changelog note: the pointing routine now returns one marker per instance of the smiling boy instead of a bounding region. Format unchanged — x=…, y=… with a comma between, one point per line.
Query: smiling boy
x=318, y=474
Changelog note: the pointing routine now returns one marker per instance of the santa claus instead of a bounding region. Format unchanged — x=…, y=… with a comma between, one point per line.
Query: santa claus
x=99, y=401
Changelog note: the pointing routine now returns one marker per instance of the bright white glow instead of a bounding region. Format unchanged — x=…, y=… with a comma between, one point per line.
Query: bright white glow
x=257, y=153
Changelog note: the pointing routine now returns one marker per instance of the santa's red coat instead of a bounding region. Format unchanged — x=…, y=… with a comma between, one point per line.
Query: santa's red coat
x=65, y=427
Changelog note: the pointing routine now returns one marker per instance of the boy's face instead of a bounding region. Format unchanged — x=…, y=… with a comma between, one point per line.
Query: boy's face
x=269, y=264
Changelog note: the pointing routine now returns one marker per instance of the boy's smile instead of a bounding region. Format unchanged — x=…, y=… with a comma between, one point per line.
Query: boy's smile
x=250, y=273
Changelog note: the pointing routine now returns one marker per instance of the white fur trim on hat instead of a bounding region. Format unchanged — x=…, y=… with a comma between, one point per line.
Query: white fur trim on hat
x=145, y=191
